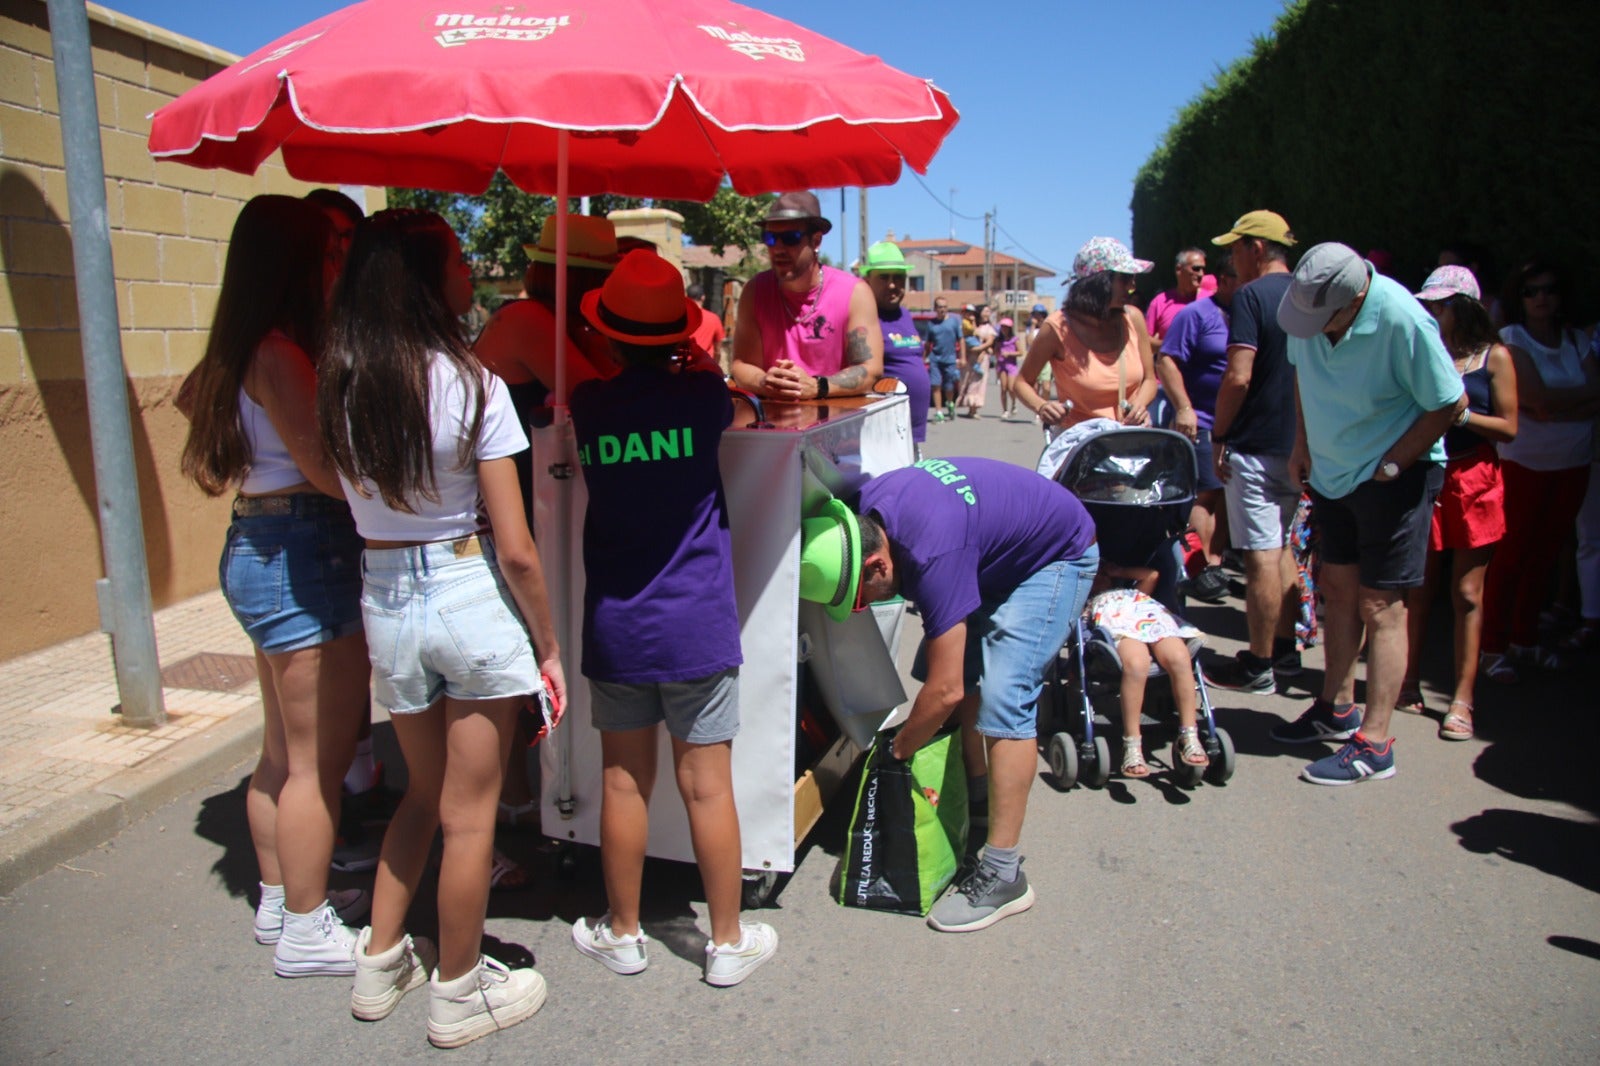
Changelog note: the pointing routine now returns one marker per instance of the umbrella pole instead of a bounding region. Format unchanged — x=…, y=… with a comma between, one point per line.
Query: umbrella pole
x=566, y=555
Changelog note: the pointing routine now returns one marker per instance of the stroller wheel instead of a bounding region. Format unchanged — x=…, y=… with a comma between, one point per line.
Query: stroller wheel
x=1222, y=760
x=1063, y=755
x=1096, y=769
x=1185, y=774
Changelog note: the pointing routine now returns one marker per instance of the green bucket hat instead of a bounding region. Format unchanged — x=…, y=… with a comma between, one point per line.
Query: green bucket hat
x=830, y=559
x=884, y=256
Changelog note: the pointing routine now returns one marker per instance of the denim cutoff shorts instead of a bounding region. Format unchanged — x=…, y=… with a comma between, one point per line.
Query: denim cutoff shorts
x=294, y=581
x=441, y=622
x=1011, y=642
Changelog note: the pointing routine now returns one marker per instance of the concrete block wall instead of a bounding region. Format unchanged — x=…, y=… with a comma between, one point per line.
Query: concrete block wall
x=169, y=229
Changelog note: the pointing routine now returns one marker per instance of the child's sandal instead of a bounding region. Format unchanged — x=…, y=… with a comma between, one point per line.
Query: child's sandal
x=1457, y=726
x=1133, y=764
x=1190, y=750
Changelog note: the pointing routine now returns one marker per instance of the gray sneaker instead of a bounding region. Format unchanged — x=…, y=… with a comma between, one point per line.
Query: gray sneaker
x=979, y=900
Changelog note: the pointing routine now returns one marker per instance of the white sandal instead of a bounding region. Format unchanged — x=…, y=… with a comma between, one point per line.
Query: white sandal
x=1190, y=749
x=1133, y=764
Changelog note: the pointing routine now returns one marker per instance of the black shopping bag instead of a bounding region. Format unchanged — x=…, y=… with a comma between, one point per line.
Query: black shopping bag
x=908, y=831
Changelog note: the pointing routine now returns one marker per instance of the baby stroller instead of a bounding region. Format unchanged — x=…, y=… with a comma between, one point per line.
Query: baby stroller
x=1138, y=486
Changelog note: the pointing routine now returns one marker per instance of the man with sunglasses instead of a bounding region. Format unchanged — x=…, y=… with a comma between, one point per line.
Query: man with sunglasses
x=999, y=561
x=1376, y=391
x=805, y=331
x=1191, y=270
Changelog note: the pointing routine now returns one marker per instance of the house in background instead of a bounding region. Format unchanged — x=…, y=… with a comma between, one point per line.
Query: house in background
x=954, y=269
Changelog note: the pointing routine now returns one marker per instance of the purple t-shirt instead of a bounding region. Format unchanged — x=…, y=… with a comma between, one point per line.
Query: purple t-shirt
x=1198, y=342
x=902, y=360
x=659, y=602
x=966, y=531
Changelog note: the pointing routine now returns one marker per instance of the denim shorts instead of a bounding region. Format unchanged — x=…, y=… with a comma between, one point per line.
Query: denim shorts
x=441, y=622
x=1261, y=501
x=1204, y=463
x=943, y=374
x=1011, y=642
x=702, y=711
x=294, y=580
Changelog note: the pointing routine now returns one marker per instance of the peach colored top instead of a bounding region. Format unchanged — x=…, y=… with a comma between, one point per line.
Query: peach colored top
x=1087, y=378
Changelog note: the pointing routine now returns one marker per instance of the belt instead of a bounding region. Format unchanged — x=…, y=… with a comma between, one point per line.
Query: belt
x=298, y=504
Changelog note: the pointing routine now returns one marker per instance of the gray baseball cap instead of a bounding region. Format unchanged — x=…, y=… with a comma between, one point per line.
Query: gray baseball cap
x=1328, y=278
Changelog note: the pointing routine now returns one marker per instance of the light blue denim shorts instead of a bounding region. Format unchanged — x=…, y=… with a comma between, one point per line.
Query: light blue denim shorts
x=1261, y=501
x=441, y=622
x=1010, y=642
x=293, y=580
x=702, y=711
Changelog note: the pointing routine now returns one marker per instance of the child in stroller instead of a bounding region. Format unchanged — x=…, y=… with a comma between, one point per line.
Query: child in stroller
x=1128, y=619
x=1137, y=484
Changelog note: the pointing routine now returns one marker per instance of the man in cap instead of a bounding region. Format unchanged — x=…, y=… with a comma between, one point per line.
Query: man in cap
x=1252, y=435
x=1376, y=392
x=999, y=560
x=885, y=270
x=805, y=331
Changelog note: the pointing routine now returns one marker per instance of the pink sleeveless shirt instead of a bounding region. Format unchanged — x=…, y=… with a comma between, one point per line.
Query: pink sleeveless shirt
x=809, y=331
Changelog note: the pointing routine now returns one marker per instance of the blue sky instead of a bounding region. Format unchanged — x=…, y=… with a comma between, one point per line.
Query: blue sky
x=1061, y=102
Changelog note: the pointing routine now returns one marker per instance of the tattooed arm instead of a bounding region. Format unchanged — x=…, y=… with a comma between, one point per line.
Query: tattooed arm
x=863, y=347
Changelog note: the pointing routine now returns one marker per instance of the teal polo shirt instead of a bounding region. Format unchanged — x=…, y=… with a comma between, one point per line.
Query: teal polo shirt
x=1359, y=396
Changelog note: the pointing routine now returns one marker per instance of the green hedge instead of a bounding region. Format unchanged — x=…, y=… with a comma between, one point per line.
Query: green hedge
x=1397, y=124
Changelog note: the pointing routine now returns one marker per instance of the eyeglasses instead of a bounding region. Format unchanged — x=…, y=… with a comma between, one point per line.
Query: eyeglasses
x=1530, y=291
x=789, y=238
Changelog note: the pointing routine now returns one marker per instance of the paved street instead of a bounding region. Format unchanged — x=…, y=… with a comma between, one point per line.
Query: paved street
x=1446, y=915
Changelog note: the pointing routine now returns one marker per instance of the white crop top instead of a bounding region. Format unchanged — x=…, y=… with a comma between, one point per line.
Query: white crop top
x=1550, y=445
x=271, y=466
x=456, y=513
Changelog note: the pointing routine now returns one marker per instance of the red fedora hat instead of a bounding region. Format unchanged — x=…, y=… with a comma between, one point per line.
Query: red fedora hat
x=642, y=302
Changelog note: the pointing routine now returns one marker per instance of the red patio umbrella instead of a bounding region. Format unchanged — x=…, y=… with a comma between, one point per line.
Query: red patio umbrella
x=661, y=98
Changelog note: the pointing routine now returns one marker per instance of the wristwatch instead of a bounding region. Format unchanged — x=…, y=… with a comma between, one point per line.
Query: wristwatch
x=1389, y=469
x=822, y=388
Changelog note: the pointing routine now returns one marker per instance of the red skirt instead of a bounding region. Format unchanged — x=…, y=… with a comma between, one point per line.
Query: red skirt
x=1470, y=511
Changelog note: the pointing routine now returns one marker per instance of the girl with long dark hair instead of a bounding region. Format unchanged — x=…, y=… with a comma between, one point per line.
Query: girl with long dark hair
x=423, y=438
x=1469, y=517
x=290, y=567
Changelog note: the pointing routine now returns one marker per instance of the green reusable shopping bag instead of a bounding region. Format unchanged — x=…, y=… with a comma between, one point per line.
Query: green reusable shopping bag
x=909, y=828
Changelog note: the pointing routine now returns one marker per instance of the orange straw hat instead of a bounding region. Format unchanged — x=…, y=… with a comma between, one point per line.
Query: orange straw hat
x=591, y=242
x=642, y=302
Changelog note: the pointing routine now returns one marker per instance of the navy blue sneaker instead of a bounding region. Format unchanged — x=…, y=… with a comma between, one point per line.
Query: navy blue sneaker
x=1359, y=760
x=1320, y=722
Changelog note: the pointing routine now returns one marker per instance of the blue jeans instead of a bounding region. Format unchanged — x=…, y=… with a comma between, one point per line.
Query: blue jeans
x=1011, y=642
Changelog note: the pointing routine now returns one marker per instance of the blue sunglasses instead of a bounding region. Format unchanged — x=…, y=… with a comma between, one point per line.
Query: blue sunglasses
x=789, y=238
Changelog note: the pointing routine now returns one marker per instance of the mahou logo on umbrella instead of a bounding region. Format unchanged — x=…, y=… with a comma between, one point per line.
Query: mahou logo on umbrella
x=756, y=47
x=507, y=25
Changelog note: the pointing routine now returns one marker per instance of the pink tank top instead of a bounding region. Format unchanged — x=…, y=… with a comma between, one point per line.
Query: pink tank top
x=1089, y=381
x=809, y=330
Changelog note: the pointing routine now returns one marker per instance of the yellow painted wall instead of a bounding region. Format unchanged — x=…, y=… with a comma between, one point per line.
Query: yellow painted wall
x=169, y=229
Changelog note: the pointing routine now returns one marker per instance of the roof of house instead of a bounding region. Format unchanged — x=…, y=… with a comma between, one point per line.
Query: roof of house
x=953, y=253
x=696, y=255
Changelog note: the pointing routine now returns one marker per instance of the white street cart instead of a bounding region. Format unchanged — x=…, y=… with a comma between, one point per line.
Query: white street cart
x=773, y=472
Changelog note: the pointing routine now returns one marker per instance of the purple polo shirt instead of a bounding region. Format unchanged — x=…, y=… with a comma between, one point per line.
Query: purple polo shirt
x=1198, y=342
x=658, y=603
x=902, y=360
x=966, y=531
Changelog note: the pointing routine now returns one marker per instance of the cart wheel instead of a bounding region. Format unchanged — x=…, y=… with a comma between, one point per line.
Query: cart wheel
x=757, y=890
x=1185, y=774
x=1062, y=752
x=1222, y=762
x=1097, y=772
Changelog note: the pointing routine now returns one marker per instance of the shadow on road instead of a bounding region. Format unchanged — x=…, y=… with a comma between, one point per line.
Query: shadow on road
x=1560, y=847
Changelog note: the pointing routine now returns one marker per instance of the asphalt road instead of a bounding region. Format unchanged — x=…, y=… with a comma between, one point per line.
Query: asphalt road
x=1445, y=915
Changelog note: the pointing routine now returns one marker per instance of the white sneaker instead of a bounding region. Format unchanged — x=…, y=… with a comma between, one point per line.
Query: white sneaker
x=315, y=945
x=351, y=904
x=383, y=978
x=486, y=998
x=728, y=964
x=619, y=954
